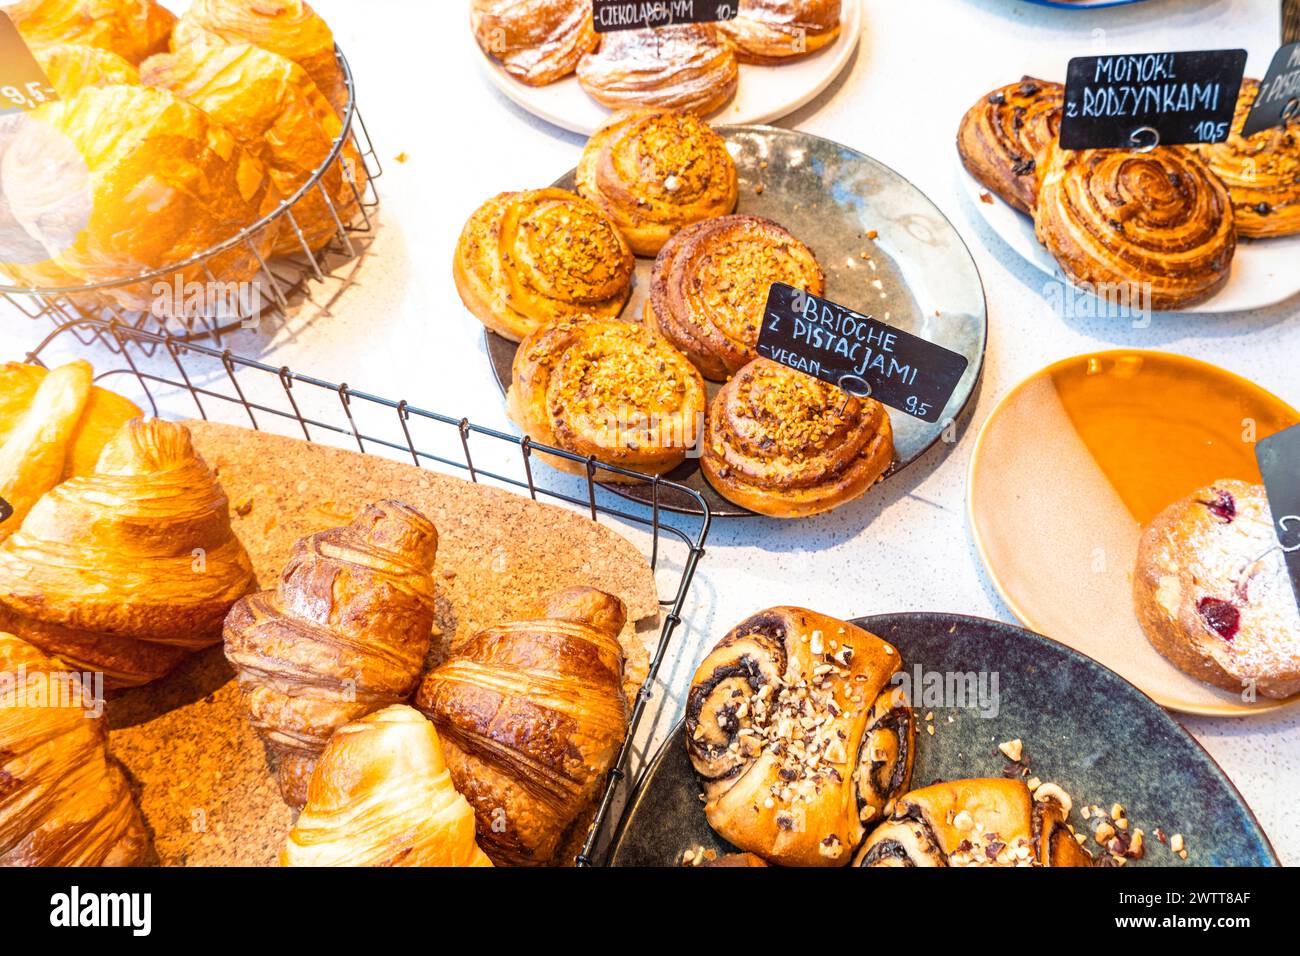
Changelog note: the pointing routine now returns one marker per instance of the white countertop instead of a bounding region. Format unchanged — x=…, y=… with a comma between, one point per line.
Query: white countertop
x=399, y=329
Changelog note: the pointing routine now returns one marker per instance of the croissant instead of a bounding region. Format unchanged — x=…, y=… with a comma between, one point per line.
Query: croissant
x=344, y=633
x=532, y=715
x=775, y=31
x=1003, y=139
x=683, y=66
x=71, y=66
x=993, y=822
x=709, y=287
x=127, y=569
x=133, y=29
x=381, y=795
x=63, y=802
x=535, y=41
x=799, y=741
x=655, y=171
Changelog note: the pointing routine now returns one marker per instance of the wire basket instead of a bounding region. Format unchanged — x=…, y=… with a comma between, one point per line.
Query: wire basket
x=177, y=378
x=278, y=280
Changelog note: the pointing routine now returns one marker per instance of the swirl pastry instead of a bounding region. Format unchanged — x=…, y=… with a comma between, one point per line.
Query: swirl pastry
x=63, y=801
x=610, y=389
x=655, y=171
x=1262, y=172
x=381, y=795
x=531, y=716
x=1003, y=139
x=128, y=569
x=535, y=41
x=786, y=445
x=344, y=633
x=1160, y=220
x=799, y=741
x=775, y=31
x=684, y=66
x=709, y=287
x=133, y=29
x=992, y=822
x=527, y=259
x=1213, y=595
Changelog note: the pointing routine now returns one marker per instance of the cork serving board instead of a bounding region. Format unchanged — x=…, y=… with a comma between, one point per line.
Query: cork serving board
x=202, y=777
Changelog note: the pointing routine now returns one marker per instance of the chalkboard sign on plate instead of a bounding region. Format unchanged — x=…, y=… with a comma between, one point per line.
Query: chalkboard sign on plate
x=610, y=16
x=23, y=84
x=1279, y=92
x=1279, y=464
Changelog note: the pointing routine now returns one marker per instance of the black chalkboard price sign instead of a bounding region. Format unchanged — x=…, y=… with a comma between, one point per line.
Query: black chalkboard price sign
x=6, y=511
x=614, y=15
x=1147, y=99
x=23, y=84
x=1279, y=463
x=1278, y=101
x=861, y=355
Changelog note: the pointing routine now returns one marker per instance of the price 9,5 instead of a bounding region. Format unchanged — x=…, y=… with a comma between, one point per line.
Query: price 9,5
x=917, y=407
x=27, y=96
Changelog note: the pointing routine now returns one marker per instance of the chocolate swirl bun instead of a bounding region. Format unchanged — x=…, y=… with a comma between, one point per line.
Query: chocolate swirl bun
x=1161, y=220
x=776, y=31
x=1003, y=138
x=799, y=740
x=786, y=445
x=685, y=66
x=709, y=287
x=991, y=822
x=1262, y=172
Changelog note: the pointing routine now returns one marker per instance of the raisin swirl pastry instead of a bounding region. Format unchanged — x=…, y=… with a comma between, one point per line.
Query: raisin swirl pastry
x=535, y=41
x=681, y=66
x=609, y=389
x=527, y=259
x=1262, y=172
x=1003, y=138
x=775, y=31
x=798, y=739
x=1161, y=220
x=1212, y=591
x=655, y=171
x=788, y=445
x=989, y=822
x=709, y=287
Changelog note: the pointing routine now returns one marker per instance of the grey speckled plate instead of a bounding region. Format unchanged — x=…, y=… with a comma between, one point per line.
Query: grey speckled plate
x=920, y=278
x=1082, y=725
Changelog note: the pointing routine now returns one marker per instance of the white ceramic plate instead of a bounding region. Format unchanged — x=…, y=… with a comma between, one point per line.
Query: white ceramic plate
x=1264, y=271
x=765, y=93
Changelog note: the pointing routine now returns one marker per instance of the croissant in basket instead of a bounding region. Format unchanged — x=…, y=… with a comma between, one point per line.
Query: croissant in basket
x=63, y=802
x=344, y=633
x=133, y=29
x=532, y=714
x=127, y=569
x=71, y=66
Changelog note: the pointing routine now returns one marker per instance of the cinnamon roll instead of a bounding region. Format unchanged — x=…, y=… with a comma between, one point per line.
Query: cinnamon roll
x=991, y=822
x=1262, y=172
x=787, y=445
x=655, y=171
x=527, y=259
x=1160, y=220
x=1003, y=138
x=535, y=41
x=798, y=739
x=681, y=66
x=709, y=287
x=609, y=389
x=774, y=31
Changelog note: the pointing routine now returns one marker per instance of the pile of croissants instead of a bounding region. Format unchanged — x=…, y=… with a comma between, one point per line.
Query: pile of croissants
x=119, y=560
x=226, y=113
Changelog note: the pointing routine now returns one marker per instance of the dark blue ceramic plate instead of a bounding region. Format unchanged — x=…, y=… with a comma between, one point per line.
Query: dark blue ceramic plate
x=1083, y=726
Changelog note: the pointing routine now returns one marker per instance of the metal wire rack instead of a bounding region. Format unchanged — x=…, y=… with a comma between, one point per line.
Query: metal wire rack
x=279, y=279
x=179, y=378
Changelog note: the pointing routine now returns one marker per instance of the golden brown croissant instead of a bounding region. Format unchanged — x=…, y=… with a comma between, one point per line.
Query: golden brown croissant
x=381, y=795
x=610, y=389
x=787, y=445
x=710, y=283
x=71, y=66
x=798, y=739
x=685, y=66
x=344, y=634
x=127, y=569
x=655, y=171
x=63, y=802
x=527, y=259
x=536, y=41
x=532, y=715
x=991, y=822
x=1003, y=139
x=775, y=31
x=1159, y=222
x=133, y=29
x=1262, y=172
